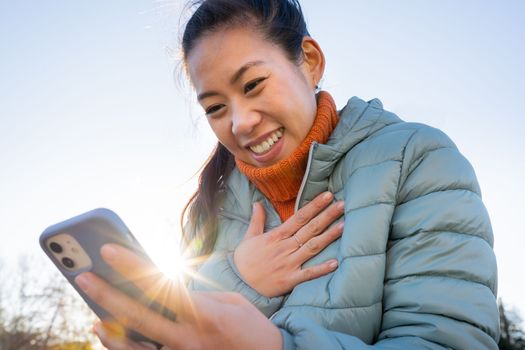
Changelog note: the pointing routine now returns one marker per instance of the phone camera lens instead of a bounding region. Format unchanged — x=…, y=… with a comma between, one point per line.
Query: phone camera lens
x=69, y=263
x=57, y=248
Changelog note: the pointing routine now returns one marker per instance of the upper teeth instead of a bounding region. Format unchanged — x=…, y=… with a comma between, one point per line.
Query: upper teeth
x=268, y=143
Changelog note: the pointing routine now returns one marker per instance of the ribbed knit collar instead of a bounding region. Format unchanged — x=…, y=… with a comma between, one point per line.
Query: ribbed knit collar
x=281, y=182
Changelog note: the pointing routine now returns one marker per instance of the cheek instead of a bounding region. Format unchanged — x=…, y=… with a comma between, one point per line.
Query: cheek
x=301, y=101
x=304, y=110
x=222, y=130
x=219, y=130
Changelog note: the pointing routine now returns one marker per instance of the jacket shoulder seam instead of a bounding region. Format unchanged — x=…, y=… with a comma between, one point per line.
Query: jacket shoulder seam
x=438, y=191
x=423, y=232
x=435, y=275
x=369, y=205
x=424, y=154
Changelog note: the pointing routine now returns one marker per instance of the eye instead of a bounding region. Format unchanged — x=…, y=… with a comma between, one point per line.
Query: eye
x=253, y=84
x=213, y=109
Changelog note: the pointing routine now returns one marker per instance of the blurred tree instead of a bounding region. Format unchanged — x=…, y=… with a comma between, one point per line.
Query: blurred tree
x=512, y=335
x=39, y=310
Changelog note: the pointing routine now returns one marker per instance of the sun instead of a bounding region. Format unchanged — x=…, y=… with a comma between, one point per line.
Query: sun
x=164, y=250
x=171, y=264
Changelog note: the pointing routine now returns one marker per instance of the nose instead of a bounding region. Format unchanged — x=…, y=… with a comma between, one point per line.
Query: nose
x=244, y=120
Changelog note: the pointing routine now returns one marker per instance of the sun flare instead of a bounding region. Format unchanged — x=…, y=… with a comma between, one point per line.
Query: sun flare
x=171, y=264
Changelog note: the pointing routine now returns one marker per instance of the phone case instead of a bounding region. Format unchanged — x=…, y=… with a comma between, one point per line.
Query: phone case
x=92, y=230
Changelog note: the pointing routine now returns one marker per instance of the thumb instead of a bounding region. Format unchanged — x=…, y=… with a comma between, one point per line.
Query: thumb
x=256, y=226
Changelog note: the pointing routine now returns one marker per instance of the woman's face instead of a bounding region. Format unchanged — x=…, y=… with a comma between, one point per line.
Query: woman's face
x=260, y=104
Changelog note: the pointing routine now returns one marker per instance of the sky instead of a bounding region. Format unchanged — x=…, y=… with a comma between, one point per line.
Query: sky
x=95, y=110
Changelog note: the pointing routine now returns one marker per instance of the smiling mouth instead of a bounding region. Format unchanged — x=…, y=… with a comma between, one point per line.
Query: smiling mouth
x=267, y=144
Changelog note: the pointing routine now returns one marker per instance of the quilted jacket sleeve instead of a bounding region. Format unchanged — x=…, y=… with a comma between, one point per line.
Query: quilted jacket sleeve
x=440, y=283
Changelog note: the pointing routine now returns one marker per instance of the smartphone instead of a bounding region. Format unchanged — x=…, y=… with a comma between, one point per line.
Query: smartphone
x=74, y=247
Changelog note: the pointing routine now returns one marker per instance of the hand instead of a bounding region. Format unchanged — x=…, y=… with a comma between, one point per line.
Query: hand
x=271, y=262
x=205, y=320
x=112, y=338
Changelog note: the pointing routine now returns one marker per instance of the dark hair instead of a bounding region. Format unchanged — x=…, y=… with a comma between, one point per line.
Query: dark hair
x=281, y=22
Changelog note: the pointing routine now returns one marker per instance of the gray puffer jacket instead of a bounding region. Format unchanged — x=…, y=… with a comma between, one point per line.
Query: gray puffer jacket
x=416, y=265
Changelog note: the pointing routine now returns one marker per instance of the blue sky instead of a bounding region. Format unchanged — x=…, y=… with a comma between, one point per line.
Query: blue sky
x=92, y=113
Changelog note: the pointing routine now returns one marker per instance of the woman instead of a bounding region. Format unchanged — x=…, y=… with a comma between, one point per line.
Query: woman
x=349, y=229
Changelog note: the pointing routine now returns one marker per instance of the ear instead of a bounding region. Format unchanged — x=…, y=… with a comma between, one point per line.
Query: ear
x=313, y=60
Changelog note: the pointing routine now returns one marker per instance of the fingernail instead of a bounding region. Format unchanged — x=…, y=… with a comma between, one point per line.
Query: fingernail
x=341, y=205
x=83, y=282
x=108, y=252
x=327, y=196
x=341, y=225
x=333, y=264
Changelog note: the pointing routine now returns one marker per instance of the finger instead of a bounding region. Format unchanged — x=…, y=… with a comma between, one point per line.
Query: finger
x=155, y=285
x=314, y=272
x=256, y=222
x=318, y=224
x=129, y=264
x=116, y=342
x=316, y=244
x=304, y=215
x=128, y=313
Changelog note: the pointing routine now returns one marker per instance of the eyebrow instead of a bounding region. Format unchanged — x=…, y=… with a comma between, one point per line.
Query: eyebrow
x=233, y=80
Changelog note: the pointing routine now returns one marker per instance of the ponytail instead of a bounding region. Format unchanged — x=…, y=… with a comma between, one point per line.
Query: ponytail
x=200, y=234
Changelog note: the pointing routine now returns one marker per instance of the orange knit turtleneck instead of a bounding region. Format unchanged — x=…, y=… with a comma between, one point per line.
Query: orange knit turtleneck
x=280, y=182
